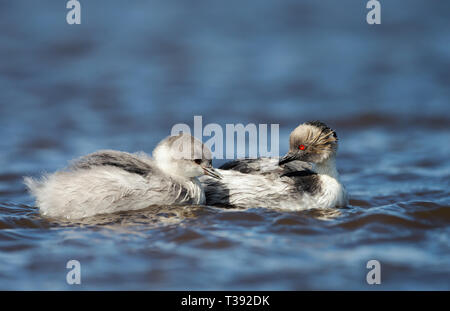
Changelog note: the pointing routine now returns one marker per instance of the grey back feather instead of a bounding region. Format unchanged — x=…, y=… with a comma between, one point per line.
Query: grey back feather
x=266, y=166
x=126, y=161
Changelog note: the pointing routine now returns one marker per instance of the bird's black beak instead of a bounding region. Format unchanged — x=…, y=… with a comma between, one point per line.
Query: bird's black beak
x=290, y=156
x=212, y=172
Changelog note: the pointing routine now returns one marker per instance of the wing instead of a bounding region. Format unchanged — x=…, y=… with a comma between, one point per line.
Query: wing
x=129, y=162
x=266, y=166
x=306, y=181
x=245, y=166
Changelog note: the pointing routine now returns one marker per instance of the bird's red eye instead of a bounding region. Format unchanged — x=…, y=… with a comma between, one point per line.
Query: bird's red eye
x=301, y=147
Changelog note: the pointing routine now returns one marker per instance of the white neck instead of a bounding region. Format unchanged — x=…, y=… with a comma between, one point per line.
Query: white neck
x=171, y=170
x=161, y=156
x=192, y=184
x=335, y=193
x=327, y=167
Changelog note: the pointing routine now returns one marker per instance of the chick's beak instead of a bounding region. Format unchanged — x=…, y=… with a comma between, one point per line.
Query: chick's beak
x=290, y=156
x=212, y=172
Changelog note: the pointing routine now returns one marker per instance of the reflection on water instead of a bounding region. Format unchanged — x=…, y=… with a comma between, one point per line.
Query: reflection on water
x=151, y=217
x=128, y=73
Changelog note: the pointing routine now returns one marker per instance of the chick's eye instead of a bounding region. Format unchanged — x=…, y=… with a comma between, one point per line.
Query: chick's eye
x=301, y=147
x=198, y=161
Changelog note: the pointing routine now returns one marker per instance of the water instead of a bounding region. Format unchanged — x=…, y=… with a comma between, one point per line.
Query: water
x=130, y=72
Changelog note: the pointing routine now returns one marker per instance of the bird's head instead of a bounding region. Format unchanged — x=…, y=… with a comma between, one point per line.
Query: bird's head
x=311, y=142
x=185, y=156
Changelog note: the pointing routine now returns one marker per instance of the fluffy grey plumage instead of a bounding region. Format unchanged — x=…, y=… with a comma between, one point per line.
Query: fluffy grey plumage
x=110, y=181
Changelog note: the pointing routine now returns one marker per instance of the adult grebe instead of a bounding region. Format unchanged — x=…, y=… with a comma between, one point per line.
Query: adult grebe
x=110, y=181
x=306, y=177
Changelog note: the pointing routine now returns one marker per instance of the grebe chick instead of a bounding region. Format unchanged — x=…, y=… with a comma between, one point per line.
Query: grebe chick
x=306, y=177
x=110, y=181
